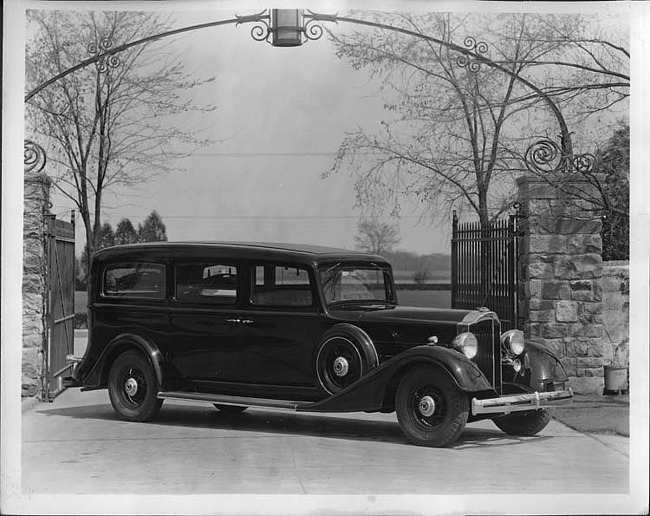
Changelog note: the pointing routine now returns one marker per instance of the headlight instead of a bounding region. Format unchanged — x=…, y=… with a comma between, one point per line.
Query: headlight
x=514, y=341
x=466, y=343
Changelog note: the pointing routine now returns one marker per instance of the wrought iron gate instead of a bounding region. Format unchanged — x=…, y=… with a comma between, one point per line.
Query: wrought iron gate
x=59, y=317
x=484, y=268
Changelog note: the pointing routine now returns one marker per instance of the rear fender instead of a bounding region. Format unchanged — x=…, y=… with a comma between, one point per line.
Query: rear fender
x=369, y=392
x=97, y=378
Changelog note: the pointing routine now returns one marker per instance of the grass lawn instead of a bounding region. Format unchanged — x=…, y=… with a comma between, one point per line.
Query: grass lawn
x=425, y=298
x=597, y=414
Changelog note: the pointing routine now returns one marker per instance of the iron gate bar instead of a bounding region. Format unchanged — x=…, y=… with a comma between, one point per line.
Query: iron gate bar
x=59, y=317
x=484, y=268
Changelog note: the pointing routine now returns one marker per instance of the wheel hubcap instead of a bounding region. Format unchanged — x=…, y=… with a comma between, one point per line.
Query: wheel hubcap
x=427, y=406
x=341, y=366
x=131, y=386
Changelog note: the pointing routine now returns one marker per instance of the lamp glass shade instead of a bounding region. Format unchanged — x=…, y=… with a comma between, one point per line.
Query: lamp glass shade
x=286, y=25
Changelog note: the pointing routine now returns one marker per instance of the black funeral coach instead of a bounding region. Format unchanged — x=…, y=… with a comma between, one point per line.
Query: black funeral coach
x=304, y=328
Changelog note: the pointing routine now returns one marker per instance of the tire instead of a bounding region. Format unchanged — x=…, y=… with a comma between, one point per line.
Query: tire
x=132, y=387
x=431, y=410
x=526, y=424
x=230, y=409
x=345, y=355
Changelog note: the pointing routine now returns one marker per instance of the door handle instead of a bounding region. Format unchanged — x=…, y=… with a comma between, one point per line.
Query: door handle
x=240, y=321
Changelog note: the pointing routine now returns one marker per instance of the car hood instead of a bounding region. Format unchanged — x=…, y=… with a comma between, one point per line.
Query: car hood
x=401, y=314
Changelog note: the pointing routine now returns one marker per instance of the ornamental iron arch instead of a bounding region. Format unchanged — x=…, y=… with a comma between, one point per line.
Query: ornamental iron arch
x=294, y=27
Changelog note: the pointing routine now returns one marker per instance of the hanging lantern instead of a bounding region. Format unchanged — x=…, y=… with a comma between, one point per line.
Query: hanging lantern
x=286, y=27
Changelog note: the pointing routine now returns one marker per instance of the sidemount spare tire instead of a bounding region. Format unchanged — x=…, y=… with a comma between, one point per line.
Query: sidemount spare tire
x=345, y=354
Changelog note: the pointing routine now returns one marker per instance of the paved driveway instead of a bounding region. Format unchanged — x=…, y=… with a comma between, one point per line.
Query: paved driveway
x=77, y=445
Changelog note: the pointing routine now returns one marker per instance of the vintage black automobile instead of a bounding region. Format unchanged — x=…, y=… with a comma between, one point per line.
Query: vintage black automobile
x=305, y=328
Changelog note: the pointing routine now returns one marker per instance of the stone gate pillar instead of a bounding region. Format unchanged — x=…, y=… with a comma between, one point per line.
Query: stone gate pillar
x=560, y=275
x=37, y=201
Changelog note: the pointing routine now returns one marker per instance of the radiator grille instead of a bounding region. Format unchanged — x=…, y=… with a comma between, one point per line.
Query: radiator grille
x=488, y=358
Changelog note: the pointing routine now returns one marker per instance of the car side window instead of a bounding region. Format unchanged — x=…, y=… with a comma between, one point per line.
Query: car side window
x=214, y=283
x=134, y=280
x=279, y=285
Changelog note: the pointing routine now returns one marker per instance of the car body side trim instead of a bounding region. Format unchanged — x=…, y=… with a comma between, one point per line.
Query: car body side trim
x=226, y=399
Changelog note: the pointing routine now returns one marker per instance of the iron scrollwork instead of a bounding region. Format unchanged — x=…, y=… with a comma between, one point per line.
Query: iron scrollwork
x=34, y=158
x=106, y=62
x=477, y=47
x=584, y=163
x=261, y=31
x=546, y=156
x=313, y=30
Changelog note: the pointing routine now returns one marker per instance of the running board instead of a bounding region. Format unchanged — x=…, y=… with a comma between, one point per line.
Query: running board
x=225, y=399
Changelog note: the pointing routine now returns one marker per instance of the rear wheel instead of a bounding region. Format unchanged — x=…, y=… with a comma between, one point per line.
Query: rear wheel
x=345, y=355
x=230, y=409
x=132, y=387
x=431, y=410
x=525, y=424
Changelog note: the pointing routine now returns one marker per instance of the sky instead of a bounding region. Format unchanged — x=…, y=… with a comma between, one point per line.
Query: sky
x=281, y=116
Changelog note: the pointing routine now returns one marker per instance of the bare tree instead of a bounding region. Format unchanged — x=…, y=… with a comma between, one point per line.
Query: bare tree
x=116, y=123
x=376, y=236
x=460, y=132
x=586, y=69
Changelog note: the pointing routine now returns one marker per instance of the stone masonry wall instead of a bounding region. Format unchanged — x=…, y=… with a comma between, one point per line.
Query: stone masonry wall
x=37, y=197
x=616, y=311
x=561, y=272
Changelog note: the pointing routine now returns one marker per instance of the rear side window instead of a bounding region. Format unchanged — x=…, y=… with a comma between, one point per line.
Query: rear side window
x=206, y=283
x=281, y=286
x=135, y=280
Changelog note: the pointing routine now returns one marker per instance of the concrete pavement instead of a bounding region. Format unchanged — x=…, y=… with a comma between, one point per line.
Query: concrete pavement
x=77, y=445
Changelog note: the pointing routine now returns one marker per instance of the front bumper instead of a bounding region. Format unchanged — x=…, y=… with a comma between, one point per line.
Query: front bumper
x=521, y=402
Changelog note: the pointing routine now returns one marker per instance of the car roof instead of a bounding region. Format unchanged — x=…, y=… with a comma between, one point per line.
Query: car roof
x=249, y=250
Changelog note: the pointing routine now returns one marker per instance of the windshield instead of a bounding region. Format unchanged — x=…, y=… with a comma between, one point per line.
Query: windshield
x=368, y=283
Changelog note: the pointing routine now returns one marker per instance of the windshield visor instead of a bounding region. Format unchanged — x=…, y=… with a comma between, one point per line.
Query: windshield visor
x=343, y=283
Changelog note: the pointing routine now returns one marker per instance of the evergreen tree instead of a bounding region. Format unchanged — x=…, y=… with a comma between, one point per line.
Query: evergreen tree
x=614, y=165
x=153, y=229
x=106, y=236
x=125, y=232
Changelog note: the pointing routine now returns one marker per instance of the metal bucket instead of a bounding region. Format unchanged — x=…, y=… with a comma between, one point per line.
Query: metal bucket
x=615, y=379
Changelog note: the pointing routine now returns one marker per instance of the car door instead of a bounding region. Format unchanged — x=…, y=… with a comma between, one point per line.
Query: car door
x=205, y=313
x=282, y=326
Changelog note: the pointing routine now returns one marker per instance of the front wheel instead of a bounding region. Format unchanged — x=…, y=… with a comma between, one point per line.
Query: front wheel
x=526, y=424
x=431, y=410
x=132, y=387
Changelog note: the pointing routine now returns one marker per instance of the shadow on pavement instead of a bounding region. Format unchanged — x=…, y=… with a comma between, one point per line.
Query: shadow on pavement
x=289, y=423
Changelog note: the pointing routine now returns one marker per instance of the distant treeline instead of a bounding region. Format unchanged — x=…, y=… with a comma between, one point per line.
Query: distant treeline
x=421, y=268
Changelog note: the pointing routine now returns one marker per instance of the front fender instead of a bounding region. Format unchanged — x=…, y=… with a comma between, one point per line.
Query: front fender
x=97, y=378
x=544, y=366
x=368, y=393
